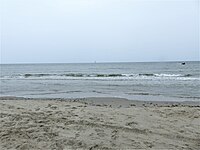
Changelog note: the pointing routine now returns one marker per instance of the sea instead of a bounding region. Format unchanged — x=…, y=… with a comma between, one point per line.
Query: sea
x=147, y=81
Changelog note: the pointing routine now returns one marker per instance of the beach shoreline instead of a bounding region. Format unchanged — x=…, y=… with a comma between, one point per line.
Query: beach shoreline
x=98, y=123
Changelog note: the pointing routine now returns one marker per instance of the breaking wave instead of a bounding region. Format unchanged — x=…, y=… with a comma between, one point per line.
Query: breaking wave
x=166, y=75
x=105, y=75
x=83, y=76
x=73, y=75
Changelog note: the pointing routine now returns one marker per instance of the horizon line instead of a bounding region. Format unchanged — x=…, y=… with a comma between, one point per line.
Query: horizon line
x=96, y=62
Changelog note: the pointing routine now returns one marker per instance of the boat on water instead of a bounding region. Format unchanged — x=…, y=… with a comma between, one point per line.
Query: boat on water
x=183, y=63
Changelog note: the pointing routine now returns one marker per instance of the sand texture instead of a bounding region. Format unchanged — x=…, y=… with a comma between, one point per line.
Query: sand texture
x=107, y=124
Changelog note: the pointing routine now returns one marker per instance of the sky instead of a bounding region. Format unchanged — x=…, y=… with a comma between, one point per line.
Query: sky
x=81, y=31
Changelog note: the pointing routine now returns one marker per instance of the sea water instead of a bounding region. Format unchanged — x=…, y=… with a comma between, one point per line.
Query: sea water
x=166, y=81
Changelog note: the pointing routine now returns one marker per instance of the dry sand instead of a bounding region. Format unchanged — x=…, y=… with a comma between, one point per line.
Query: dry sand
x=98, y=123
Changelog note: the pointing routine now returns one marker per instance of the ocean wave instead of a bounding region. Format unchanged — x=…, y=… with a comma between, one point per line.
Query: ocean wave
x=173, y=75
x=147, y=74
x=105, y=75
x=72, y=75
x=84, y=76
x=187, y=75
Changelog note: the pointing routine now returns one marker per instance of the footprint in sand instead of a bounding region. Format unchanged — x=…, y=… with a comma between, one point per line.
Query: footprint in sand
x=100, y=132
x=54, y=107
x=114, y=134
x=131, y=124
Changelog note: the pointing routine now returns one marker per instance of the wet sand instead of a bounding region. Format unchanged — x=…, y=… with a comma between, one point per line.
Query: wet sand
x=98, y=123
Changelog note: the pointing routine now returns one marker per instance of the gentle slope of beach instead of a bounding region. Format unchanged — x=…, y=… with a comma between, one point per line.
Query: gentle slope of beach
x=101, y=123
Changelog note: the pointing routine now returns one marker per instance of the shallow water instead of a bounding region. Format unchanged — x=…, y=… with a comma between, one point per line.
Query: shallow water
x=140, y=81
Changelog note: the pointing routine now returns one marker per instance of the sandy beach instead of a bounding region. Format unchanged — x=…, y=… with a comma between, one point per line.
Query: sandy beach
x=98, y=123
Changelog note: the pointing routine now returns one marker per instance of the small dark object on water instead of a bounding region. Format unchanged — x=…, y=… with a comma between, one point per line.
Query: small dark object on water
x=183, y=63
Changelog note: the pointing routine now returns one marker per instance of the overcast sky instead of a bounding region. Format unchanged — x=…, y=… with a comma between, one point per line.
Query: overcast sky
x=59, y=31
